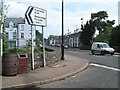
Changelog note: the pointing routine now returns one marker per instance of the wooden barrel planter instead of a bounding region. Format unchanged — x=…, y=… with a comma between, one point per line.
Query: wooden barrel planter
x=9, y=64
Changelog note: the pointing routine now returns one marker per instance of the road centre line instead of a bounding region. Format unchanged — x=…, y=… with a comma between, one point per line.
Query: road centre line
x=106, y=67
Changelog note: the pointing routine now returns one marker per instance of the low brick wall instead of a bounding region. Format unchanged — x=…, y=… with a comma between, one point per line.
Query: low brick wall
x=50, y=58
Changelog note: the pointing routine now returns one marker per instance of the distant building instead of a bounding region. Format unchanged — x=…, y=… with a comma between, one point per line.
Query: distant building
x=71, y=40
x=56, y=40
x=18, y=32
x=52, y=42
x=119, y=13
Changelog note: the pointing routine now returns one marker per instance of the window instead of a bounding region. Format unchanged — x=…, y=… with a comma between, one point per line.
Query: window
x=12, y=44
x=22, y=35
x=14, y=35
x=22, y=27
x=11, y=26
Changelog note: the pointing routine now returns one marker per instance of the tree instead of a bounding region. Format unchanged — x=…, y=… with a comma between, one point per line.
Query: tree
x=38, y=37
x=50, y=37
x=86, y=35
x=104, y=26
x=115, y=36
x=99, y=15
x=104, y=35
x=5, y=42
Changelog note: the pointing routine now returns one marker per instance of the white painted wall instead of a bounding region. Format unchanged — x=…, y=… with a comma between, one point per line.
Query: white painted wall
x=22, y=28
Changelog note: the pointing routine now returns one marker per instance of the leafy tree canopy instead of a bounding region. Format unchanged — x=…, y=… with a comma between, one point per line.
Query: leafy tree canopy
x=104, y=26
x=115, y=36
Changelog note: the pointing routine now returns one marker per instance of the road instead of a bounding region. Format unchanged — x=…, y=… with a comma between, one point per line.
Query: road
x=99, y=59
x=101, y=73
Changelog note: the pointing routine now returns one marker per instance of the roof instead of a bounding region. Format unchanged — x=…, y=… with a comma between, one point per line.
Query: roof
x=15, y=21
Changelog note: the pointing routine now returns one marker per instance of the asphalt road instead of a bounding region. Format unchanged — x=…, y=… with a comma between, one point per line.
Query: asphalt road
x=93, y=76
x=107, y=60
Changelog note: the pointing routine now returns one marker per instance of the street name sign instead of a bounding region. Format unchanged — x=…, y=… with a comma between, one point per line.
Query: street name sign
x=36, y=16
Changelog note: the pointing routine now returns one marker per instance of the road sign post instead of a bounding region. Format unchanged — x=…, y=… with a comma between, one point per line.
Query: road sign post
x=32, y=49
x=38, y=17
x=44, y=63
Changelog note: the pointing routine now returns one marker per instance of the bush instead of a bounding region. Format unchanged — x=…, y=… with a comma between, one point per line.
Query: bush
x=25, y=50
x=86, y=47
x=13, y=50
x=22, y=51
x=40, y=49
x=16, y=50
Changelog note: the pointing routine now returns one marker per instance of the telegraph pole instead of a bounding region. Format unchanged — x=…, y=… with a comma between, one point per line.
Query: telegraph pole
x=62, y=46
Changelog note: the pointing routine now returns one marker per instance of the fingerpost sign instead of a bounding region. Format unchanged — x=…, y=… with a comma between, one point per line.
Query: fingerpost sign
x=38, y=17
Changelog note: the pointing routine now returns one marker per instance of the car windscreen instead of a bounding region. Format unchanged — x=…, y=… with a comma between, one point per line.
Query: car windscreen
x=104, y=46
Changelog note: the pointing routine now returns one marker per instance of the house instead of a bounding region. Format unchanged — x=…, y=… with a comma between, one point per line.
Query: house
x=18, y=32
x=71, y=40
x=74, y=40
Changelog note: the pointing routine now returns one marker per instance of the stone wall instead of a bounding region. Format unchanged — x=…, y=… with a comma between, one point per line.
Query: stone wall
x=50, y=58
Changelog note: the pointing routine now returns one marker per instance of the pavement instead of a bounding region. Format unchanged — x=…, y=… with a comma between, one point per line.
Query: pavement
x=54, y=72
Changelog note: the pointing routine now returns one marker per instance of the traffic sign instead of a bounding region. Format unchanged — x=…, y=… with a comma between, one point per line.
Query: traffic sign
x=36, y=16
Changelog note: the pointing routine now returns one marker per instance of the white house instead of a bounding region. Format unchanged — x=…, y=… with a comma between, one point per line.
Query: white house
x=18, y=31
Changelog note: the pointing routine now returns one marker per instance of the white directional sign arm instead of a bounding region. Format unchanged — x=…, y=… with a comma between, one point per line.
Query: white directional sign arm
x=27, y=14
x=36, y=16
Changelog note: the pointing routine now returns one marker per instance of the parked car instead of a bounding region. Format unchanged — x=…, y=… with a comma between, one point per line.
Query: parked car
x=66, y=47
x=102, y=48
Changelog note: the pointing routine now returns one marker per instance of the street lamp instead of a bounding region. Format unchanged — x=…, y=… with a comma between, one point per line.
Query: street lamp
x=82, y=21
x=82, y=24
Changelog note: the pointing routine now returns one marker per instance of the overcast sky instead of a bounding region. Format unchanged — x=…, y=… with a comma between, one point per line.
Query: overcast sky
x=74, y=10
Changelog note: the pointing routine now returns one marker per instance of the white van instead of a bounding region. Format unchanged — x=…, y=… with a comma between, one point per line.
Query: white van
x=102, y=48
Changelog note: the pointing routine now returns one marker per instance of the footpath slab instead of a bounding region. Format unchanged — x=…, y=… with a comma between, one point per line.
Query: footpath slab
x=58, y=71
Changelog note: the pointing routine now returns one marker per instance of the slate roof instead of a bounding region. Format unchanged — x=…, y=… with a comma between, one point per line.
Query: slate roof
x=15, y=21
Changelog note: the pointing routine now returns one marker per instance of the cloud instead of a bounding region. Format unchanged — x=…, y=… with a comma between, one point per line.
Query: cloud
x=74, y=10
x=16, y=9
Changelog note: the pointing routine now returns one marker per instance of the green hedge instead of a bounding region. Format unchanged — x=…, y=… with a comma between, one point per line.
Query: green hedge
x=86, y=47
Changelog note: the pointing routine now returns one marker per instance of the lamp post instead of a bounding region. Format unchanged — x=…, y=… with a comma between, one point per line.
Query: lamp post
x=82, y=21
x=62, y=45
